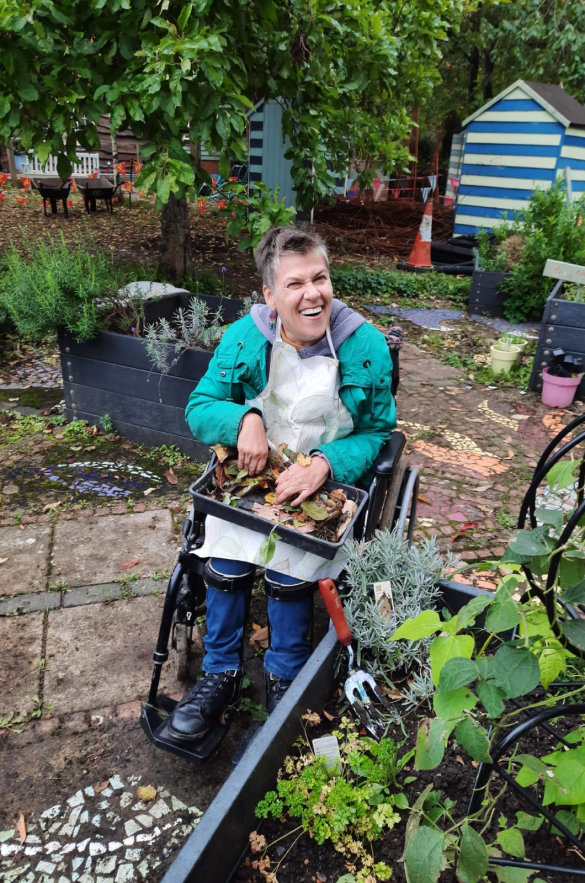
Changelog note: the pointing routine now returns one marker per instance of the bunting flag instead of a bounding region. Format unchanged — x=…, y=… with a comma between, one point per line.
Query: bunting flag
x=433, y=182
x=454, y=182
x=26, y=182
x=137, y=167
x=3, y=178
x=121, y=167
x=425, y=193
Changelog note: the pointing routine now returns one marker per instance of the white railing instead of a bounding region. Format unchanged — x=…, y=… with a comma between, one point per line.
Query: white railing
x=89, y=164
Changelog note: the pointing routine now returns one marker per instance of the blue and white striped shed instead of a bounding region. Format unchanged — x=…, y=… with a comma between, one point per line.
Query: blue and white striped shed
x=519, y=142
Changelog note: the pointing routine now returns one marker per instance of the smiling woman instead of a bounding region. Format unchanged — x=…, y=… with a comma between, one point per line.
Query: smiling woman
x=305, y=372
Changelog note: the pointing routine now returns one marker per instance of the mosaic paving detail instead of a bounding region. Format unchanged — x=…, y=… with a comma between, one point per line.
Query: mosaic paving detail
x=100, y=835
x=509, y=422
x=106, y=479
x=456, y=440
x=434, y=319
x=461, y=461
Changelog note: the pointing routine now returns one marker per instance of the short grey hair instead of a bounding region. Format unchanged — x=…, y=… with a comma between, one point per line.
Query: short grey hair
x=279, y=241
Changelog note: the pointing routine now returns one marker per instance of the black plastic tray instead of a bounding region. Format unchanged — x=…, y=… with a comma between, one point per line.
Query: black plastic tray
x=307, y=542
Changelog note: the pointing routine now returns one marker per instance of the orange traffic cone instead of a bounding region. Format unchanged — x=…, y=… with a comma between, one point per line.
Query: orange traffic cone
x=420, y=256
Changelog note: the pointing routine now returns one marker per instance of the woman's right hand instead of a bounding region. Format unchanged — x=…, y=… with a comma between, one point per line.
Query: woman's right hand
x=252, y=444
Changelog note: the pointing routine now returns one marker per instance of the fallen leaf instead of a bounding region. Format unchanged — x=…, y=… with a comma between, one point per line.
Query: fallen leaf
x=302, y=460
x=75, y=448
x=270, y=498
x=423, y=499
x=469, y=525
x=51, y=506
x=89, y=448
x=128, y=564
x=146, y=792
x=95, y=430
x=510, y=455
x=3, y=560
x=170, y=476
x=260, y=638
x=474, y=764
x=330, y=717
x=222, y=453
x=256, y=627
x=460, y=760
x=149, y=491
x=59, y=435
x=101, y=786
x=20, y=828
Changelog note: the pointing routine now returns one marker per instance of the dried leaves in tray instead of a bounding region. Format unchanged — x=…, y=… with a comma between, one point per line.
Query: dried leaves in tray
x=326, y=514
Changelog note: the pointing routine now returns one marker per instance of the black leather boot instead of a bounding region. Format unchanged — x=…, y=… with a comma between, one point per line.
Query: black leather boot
x=204, y=705
x=275, y=689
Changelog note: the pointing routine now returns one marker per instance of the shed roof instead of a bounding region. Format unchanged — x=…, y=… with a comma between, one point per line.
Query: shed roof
x=554, y=99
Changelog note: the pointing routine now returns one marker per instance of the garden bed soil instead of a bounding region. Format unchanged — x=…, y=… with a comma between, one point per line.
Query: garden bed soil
x=307, y=862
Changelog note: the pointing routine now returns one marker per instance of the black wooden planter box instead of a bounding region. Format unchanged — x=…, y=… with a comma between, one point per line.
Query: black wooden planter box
x=563, y=326
x=113, y=375
x=485, y=298
x=218, y=845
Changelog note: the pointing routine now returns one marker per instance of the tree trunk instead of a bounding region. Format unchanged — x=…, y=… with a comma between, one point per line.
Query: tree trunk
x=176, y=259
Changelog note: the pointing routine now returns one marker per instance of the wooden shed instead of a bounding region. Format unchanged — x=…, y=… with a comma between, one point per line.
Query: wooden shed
x=520, y=141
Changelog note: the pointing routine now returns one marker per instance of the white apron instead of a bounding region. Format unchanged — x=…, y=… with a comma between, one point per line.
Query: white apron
x=301, y=407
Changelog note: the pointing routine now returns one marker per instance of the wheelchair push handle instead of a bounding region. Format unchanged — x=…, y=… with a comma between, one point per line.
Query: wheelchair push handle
x=334, y=607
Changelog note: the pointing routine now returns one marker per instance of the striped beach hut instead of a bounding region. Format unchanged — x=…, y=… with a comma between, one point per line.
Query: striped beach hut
x=520, y=141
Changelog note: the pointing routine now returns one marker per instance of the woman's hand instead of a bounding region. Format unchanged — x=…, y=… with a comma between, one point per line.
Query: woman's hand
x=252, y=444
x=301, y=481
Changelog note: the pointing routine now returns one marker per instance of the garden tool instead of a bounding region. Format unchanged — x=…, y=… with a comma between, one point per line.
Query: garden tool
x=360, y=687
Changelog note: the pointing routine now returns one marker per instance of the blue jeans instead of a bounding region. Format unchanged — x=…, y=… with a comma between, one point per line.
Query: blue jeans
x=290, y=624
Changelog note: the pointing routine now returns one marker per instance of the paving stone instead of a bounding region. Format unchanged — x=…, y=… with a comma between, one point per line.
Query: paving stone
x=91, y=594
x=26, y=551
x=93, y=551
x=98, y=661
x=30, y=603
x=21, y=644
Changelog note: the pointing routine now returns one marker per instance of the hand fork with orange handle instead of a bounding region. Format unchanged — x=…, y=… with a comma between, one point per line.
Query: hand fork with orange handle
x=360, y=687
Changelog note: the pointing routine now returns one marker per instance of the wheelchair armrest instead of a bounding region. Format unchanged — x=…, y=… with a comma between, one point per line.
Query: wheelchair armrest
x=389, y=455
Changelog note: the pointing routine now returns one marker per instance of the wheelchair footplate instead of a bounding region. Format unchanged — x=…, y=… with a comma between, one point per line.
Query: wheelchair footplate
x=154, y=722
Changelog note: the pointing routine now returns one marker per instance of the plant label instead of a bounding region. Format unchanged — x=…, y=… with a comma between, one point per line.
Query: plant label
x=328, y=747
x=384, y=600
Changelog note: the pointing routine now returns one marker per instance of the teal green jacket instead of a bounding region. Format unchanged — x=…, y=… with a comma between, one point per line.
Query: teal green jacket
x=237, y=372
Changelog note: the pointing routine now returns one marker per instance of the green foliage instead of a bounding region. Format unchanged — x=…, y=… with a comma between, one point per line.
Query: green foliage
x=390, y=286
x=552, y=229
x=349, y=804
x=256, y=212
x=49, y=286
x=187, y=329
x=344, y=73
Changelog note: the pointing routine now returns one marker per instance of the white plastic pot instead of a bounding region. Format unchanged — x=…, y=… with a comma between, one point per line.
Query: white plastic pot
x=502, y=360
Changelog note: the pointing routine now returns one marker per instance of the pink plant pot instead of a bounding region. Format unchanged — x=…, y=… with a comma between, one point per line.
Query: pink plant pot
x=559, y=392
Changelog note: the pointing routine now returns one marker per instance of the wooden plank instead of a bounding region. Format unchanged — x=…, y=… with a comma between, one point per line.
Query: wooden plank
x=521, y=162
x=150, y=386
x=528, y=116
x=513, y=138
x=150, y=438
x=150, y=415
x=566, y=272
x=507, y=183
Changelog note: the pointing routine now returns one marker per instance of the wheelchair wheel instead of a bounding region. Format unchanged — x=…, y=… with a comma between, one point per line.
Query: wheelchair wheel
x=181, y=643
x=388, y=514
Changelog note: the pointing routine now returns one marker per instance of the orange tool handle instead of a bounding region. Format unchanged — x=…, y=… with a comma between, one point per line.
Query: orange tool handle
x=335, y=610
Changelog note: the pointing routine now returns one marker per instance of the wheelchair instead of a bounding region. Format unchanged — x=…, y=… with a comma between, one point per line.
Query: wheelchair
x=391, y=505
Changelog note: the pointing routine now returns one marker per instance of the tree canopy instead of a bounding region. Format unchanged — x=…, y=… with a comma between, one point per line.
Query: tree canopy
x=345, y=71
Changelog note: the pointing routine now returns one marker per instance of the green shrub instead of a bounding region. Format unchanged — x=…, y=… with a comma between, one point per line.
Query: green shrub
x=365, y=283
x=48, y=286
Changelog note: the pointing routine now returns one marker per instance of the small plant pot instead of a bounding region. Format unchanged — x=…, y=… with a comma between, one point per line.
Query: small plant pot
x=559, y=392
x=502, y=360
x=521, y=347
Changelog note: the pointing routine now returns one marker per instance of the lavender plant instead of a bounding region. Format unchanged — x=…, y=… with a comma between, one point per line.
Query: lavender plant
x=186, y=329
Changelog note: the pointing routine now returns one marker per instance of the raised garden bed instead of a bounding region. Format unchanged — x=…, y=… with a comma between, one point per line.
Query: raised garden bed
x=563, y=327
x=485, y=298
x=113, y=375
x=216, y=848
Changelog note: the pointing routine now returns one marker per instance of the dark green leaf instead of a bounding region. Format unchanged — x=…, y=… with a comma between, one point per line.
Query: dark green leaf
x=512, y=842
x=527, y=544
x=457, y=672
x=424, y=858
x=512, y=875
x=502, y=616
x=431, y=740
x=472, y=609
x=574, y=631
x=474, y=739
x=491, y=697
x=446, y=647
x=569, y=820
x=528, y=822
x=574, y=594
x=516, y=671
x=473, y=857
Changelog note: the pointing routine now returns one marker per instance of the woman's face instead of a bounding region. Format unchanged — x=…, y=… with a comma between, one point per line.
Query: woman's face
x=302, y=297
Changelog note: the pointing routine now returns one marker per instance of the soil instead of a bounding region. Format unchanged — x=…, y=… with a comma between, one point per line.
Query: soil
x=307, y=862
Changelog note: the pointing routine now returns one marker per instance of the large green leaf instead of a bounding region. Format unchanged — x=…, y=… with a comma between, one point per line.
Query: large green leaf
x=571, y=774
x=457, y=672
x=516, y=671
x=426, y=623
x=574, y=631
x=562, y=474
x=473, y=857
x=527, y=544
x=453, y=703
x=471, y=610
x=491, y=696
x=502, y=615
x=528, y=822
x=431, y=740
x=507, y=586
x=446, y=647
x=512, y=875
x=574, y=594
x=512, y=842
x=424, y=858
x=552, y=661
x=473, y=738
